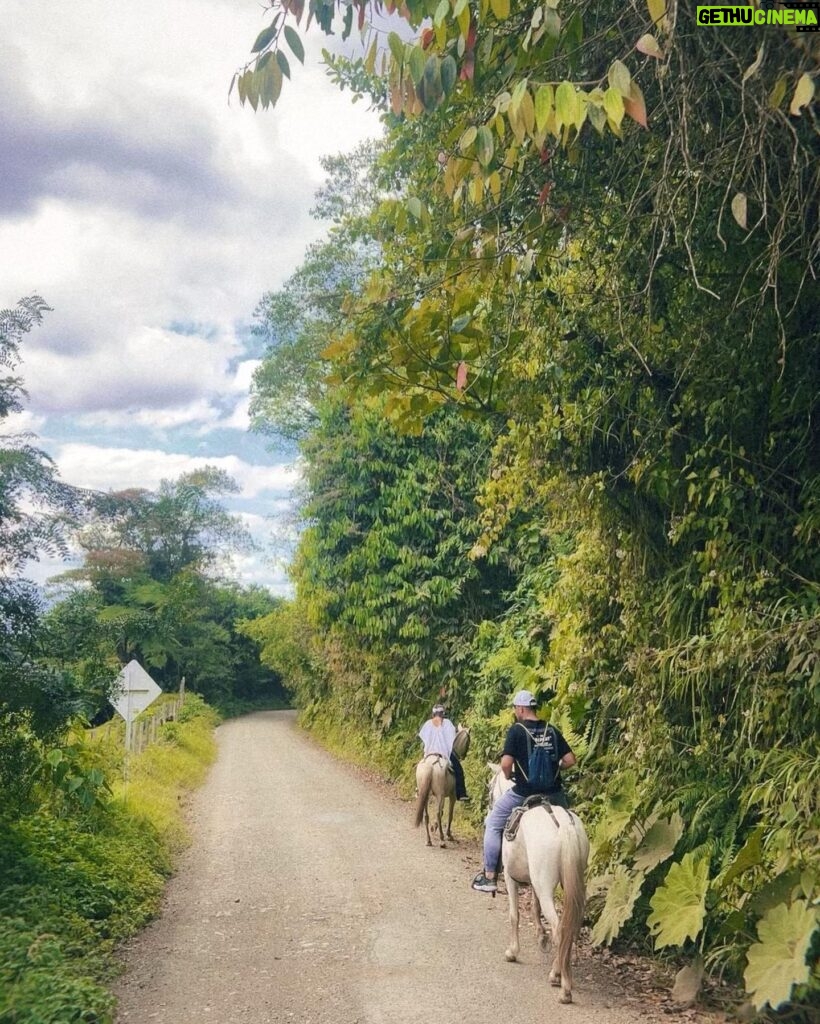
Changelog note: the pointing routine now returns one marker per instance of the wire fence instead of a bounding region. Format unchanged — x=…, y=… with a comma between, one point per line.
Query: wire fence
x=145, y=729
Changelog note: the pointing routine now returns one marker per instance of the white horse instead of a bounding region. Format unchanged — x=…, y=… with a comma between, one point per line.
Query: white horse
x=550, y=846
x=434, y=777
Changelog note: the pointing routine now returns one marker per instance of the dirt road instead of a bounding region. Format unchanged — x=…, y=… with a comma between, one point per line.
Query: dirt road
x=307, y=897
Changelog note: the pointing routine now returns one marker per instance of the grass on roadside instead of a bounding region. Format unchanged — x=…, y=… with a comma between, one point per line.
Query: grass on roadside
x=74, y=883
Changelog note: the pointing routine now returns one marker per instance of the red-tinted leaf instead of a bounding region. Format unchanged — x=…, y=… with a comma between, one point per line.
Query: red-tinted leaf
x=648, y=44
x=544, y=194
x=635, y=106
x=461, y=376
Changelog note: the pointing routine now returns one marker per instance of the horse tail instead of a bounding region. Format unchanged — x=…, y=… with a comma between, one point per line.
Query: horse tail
x=424, y=793
x=573, y=863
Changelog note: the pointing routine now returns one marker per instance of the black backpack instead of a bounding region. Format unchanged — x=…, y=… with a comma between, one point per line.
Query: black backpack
x=542, y=767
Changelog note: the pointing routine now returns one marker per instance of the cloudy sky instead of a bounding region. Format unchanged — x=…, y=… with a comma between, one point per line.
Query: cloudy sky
x=152, y=216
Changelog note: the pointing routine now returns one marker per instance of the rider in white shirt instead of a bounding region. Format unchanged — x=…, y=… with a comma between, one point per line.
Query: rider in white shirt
x=437, y=734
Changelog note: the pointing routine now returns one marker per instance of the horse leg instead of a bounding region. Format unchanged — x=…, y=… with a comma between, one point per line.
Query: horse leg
x=427, y=824
x=511, y=952
x=452, y=800
x=540, y=931
x=561, y=973
x=442, y=844
x=551, y=915
x=566, y=982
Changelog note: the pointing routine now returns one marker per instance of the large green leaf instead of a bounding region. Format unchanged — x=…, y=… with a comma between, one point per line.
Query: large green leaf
x=659, y=843
x=620, y=899
x=777, y=962
x=679, y=905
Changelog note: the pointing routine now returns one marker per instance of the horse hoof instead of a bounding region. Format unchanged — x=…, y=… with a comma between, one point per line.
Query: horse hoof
x=555, y=980
x=565, y=997
x=509, y=956
x=429, y=843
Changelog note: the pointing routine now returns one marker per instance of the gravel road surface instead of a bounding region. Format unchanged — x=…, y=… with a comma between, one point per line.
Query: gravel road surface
x=307, y=897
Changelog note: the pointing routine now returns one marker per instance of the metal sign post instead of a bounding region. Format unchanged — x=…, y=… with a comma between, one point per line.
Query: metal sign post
x=132, y=692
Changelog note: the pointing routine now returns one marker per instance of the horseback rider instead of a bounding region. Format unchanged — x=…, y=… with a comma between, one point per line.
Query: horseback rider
x=437, y=734
x=527, y=729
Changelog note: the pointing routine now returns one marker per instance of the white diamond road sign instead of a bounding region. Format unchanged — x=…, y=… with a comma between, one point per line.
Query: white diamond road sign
x=133, y=691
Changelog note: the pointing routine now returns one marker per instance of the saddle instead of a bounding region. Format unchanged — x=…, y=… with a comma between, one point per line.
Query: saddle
x=440, y=757
x=537, y=800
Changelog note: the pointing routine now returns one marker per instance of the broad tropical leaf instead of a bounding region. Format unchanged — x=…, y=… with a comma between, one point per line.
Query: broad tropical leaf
x=659, y=843
x=620, y=899
x=679, y=905
x=777, y=962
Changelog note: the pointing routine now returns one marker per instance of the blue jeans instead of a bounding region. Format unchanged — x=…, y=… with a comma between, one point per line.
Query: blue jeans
x=494, y=828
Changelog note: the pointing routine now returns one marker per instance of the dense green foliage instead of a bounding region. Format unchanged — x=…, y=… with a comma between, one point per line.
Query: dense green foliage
x=83, y=857
x=37, y=511
x=75, y=880
x=605, y=340
x=148, y=589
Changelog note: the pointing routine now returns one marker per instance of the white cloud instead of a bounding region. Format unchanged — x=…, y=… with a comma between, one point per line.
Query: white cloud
x=24, y=422
x=262, y=572
x=152, y=368
x=104, y=469
x=239, y=418
x=200, y=413
x=152, y=216
x=160, y=202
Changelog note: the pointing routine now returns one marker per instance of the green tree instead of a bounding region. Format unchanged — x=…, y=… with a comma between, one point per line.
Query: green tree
x=148, y=590
x=36, y=511
x=601, y=241
x=297, y=322
x=35, y=506
x=183, y=524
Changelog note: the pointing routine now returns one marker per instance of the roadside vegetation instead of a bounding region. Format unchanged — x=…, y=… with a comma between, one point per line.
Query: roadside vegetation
x=554, y=377
x=553, y=374
x=83, y=864
x=86, y=841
